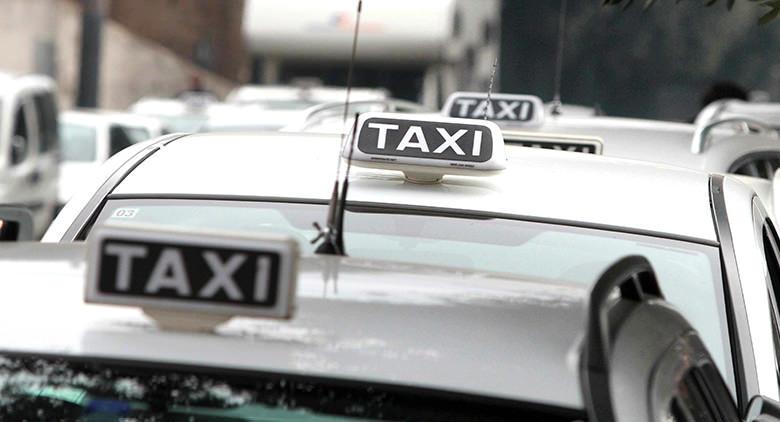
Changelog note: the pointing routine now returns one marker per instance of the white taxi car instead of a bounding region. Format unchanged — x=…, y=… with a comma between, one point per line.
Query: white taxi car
x=29, y=146
x=90, y=137
x=718, y=146
x=463, y=205
x=162, y=324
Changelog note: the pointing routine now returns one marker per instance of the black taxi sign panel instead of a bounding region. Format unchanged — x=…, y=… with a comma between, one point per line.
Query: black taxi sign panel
x=570, y=143
x=524, y=110
x=427, y=144
x=192, y=273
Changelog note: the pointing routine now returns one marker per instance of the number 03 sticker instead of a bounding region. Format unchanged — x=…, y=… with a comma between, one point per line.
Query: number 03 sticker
x=125, y=213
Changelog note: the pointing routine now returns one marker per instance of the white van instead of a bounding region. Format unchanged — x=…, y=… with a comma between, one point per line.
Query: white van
x=29, y=146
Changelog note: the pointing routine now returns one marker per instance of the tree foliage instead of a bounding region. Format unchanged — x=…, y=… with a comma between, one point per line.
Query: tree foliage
x=771, y=14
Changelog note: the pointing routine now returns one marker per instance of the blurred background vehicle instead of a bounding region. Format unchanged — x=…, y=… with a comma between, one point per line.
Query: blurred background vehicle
x=90, y=137
x=29, y=146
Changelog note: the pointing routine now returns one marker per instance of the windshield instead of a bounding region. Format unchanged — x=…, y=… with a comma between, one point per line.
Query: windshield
x=521, y=248
x=56, y=389
x=79, y=142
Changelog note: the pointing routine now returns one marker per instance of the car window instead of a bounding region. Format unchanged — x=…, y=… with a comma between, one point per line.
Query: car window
x=20, y=141
x=79, y=142
x=121, y=137
x=771, y=244
x=53, y=389
x=701, y=397
x=46, y=111
x=519, y=248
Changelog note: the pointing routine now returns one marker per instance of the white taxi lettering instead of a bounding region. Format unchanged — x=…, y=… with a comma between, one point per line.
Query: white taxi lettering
x=222, y=277
x=525, y=109
x=124, y=255
x=169, y=273
x=507, y=110
x=261, y=278
x=464, y=105
x=414, y=132
x=484, y=109
x=383, y=128
x=450, y=141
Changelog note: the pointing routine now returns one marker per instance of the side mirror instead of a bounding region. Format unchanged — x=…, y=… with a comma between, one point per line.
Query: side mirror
x=16, y=224
x=763, y=409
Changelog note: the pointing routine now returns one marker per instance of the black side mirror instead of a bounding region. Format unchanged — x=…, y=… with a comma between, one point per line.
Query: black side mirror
x=16, y=224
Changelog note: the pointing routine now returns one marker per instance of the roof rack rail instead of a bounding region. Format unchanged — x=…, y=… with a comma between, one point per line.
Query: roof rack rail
x=746, y=124
x=712, y=111
x=392, y=105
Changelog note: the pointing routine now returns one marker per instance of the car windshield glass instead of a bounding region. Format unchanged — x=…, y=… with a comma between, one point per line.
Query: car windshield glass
x=79, y=142
x=689, y=272
x=58, y=389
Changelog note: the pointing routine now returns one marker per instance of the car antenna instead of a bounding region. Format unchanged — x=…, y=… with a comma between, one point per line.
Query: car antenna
x=490, y=89
x=332, y=237
x=556, y=102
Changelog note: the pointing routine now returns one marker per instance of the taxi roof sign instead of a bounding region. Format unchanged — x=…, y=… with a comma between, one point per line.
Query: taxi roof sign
x=188, y=280
x=513, y=109
x=426, y=148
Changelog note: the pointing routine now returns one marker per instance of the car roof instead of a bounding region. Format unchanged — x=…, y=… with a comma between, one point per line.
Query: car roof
x=11, y=83
x=659, y=141
x=101, y=117
x=475, y=333
x=537, y=184
x=249, y=93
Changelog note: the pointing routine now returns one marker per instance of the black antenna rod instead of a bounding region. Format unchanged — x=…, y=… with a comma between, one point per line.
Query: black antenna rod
x=333, y=243
x=556, y=103
x=333, y=239
x=490, y=88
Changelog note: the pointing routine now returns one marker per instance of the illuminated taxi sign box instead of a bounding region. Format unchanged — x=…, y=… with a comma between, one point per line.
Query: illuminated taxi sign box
x=427, y=148
x=192, y=281
x=509, y=109
x=556, y=142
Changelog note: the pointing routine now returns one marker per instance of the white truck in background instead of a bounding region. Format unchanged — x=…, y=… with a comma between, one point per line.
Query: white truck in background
x=430, y=48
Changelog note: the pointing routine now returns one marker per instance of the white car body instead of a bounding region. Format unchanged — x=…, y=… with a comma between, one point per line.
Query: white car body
x=177, y=115
x=602, y=193
x=277, y=107
x=29, y=172
x=366, y=328
x=290, y=95
x=99, y=144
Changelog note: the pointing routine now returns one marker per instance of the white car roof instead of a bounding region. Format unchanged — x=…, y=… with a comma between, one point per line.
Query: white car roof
x=10, y=83
x=384, y=322
x=320, y=94
x=106, y=117
x=659, y=141
x=538, y=184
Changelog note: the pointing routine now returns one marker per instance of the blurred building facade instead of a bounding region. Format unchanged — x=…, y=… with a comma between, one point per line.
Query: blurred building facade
x=206, y=32
x=43, y=36
x=417, y=50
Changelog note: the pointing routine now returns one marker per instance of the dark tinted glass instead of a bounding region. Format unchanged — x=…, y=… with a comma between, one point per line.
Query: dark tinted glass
x=90, y=390
x=46, y=111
